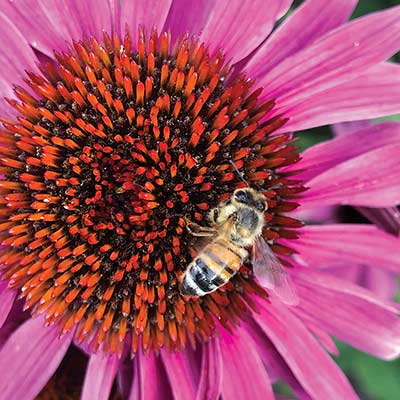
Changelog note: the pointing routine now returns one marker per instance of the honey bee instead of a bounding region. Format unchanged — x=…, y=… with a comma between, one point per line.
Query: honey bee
x=235, y=226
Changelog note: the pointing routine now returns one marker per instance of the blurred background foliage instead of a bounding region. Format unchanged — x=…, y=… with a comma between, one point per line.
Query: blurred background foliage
x=372, y=378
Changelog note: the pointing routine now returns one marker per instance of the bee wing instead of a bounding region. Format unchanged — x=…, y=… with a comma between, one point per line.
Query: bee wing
x=271, y=274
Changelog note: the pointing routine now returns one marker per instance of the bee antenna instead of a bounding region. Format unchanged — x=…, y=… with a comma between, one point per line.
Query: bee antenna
x=238, y=172
x=174, y=215
x=142, y=187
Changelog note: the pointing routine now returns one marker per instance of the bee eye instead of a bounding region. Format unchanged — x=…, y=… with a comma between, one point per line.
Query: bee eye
x=260, y=205
x=241, y=196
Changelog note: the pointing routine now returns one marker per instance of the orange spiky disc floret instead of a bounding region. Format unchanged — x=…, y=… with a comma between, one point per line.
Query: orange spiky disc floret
x=116, y=145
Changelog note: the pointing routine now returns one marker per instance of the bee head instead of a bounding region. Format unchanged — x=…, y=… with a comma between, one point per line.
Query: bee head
x=251, y=198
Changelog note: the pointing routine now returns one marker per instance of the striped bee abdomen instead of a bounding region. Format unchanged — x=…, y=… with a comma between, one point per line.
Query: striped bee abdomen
x=212, y=268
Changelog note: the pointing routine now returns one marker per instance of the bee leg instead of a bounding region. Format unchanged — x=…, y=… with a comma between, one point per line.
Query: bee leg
x=198, y=230
x=213, y=216
x=221, y=214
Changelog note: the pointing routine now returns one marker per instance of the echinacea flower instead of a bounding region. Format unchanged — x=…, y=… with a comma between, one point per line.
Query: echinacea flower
x=134, y=116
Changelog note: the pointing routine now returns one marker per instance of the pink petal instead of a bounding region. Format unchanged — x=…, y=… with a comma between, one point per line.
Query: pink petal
x=311, y=20
x=192, y=19
x=324, y=215
x=6, y=301
x=245, y=376
x=182, y=374
x=15, y=57
x=323, y=338
x=183, y=18
x=149, y=14
x=284, y=8
x=211, y=372
x=344, y=128
x=99, y=378
x=29, y=358
x=349, y=312
x=6, y=331
x=348, y=272
x=94, y=23
x=325, y=155
x=371, y=179
x=313, y=368
x=372, y=95
x=340, y=56
x=387, y=219
x=344, y=244
x=149, y=379
x=238, y=28
x=125, y=378
x=273, y=361
x=16, y=317
x=48, y=24
x=382, y=283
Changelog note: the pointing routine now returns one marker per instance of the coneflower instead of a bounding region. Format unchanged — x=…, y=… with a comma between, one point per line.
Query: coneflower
x=141, y=116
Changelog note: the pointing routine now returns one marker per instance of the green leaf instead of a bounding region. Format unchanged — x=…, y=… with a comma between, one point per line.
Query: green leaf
x=372, y=378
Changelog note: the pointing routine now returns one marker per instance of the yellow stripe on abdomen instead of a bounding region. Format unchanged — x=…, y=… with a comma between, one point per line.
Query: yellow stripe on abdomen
x=223, y=258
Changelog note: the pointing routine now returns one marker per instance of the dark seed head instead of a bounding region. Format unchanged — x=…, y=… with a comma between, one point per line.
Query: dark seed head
x=118, y=144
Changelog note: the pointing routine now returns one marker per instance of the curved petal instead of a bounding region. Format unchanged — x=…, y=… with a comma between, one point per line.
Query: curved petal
x=316, y=371
x=93, y=23
x=344, y=128
x=274, y=362
x=349, y=312
x=381, y=282
x=344, y=244
x=326, y=215
x=184, y=18
x=323, y=338
x=7, y=298
x=372, y=95
x=211, y=372
x=340, y=56
x=29, y=358
x=99, y=378
x=47, y=26
x=238, y=27
x=387, y=219
x=16, y=56
x=149, y=379
x=371, y=179
x=182, y=374
x=310, y=21
x=16, y=317
x=125, y=378
x=351, y=273
x=284, y=8
x=149, y=14
x=325, y=155
x=244, y=375
x=6, y=331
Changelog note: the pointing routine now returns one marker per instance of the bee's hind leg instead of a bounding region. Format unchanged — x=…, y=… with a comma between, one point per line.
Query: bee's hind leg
x=198, y=230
